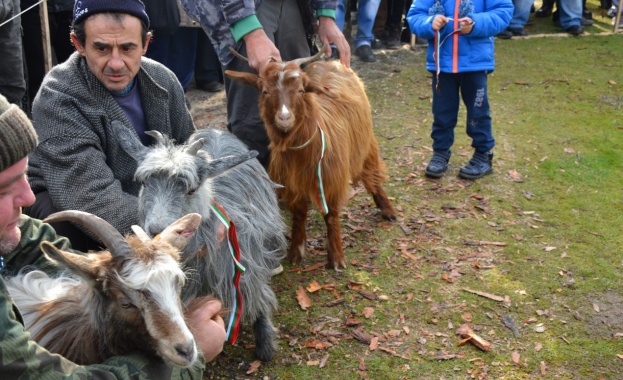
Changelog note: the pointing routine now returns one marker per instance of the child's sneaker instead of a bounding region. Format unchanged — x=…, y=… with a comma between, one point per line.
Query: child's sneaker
x=479, y=166
x=438, y=164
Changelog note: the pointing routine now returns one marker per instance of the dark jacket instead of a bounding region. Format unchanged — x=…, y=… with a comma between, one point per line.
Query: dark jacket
x=227, y=21
x=79, y=159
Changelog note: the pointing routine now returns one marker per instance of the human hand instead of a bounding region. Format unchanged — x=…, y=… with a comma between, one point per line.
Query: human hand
x=467, y=24
x=260, y=50
x=329, y=33
x=207, y=326
x=439, y=22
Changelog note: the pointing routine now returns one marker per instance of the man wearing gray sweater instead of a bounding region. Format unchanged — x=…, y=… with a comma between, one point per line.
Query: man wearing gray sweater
x=79, y=163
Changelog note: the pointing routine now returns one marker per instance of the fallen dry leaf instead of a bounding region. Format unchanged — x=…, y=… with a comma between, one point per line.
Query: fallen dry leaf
x=313, y=363
x=313, y=286
x=612, y=82
x=406, y=329
x=515, y=357
x=374, y=343
x=302, y=298
x=362, y=364
x=352, y=322
x=538, y=347
x=467, y=317
x=315, y=266
x=323, y=361
x=596, y=307
x=368, y=312
x=620, y=356
x=569, y=151
x=514, y=175
x=317, y=344
x=549, y=249
x=543, y=369
x=254, y=366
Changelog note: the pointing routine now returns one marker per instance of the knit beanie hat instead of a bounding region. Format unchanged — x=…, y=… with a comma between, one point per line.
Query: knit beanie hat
x=17, y=135
x=86, y=8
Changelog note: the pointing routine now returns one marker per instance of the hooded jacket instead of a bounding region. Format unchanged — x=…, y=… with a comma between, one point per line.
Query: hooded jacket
x=461, y=52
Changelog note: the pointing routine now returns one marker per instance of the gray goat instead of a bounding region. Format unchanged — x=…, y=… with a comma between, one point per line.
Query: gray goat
x=177, y=180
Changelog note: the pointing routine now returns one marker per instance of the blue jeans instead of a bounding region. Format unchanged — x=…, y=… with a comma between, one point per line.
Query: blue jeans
x=472, y=87
x=366, y=14
x=521, y=13
x=570, y=13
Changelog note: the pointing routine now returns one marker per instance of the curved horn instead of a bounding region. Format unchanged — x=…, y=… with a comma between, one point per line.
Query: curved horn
x=111, y=238
x=194, y=147
x=238, y=55
x=160, y=139
x=302, y=61
x=140, y=233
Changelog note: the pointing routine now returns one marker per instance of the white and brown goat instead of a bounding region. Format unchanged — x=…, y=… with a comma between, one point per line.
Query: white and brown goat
x=319, y=123
x=122, y=300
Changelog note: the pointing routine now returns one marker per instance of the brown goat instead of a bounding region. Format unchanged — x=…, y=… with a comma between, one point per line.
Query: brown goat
x=301, y=109
x=122, y=300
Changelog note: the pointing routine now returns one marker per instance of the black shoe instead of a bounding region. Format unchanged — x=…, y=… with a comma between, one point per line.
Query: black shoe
x=505, y=34
x=587, y=22
x=543, y=12
x=519, y=32
x=376, y=44
x=438, y=164
x=364, y=52
x=479, y=166
x=575, y=30
x=393, y=41
x=215, y=86
x=587, y=14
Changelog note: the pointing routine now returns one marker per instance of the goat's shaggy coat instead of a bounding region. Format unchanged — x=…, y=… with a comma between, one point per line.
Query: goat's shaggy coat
x=179, y=179
x=298, y=107
x=116, y=302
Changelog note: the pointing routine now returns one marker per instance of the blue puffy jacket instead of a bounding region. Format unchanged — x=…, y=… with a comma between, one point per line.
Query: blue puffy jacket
x=461, y=52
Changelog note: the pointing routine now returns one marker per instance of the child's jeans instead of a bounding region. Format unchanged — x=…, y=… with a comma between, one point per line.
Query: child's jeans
x=473, y=90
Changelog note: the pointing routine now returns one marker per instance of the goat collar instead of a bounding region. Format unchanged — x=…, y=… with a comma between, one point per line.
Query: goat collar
x=308, y=141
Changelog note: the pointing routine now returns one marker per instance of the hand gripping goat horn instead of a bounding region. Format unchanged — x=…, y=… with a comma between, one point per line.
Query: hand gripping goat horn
x=298, y=61
x=111, y=238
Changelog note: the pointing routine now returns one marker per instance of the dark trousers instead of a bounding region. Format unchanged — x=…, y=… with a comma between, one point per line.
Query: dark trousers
x=208, y=68
x=472, y=87
x=177, y=52
x=43, y=207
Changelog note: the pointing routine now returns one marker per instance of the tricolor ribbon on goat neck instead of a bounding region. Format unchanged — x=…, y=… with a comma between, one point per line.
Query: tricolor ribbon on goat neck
x=321, y=200
x=233, y=328
x=438, y=43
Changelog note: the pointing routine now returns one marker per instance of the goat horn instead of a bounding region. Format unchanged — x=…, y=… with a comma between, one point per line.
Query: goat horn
x=111, y=238
x=160, y=139
x=194, y=147
x=238, y=55
x=302, y=61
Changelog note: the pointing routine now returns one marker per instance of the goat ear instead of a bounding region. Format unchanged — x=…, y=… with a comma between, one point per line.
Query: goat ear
x=78, y=264
x=249, y=79
x=319, y=89
x=129, y=142
x=179, y=233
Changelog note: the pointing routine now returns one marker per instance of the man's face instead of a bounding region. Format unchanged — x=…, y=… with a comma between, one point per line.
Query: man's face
x=15, y=193
x=112, y=48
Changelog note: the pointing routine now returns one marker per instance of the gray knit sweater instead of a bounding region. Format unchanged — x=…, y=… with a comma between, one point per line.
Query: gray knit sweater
x=79, y=160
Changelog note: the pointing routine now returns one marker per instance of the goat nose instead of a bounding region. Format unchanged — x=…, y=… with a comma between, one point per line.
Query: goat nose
x=187, y=352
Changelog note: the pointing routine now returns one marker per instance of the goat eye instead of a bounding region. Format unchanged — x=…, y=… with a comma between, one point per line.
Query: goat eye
x=265, y=92
x=301, y=91
x=191, y=192
x=125, y=303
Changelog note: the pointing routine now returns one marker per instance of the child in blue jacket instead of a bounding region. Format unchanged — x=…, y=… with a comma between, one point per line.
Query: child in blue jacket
x=460, y=56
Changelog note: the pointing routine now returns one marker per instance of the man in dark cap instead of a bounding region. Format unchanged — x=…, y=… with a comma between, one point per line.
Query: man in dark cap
x=79, y=163
x=20, y=237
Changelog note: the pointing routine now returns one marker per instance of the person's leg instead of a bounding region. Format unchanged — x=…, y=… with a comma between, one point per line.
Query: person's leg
x=43, y=207
x=520, y=14
x=208, y=70
x=476, y=99
x=31, y=36
x=340, y=14
x=365, y=21
x=12, y=82
x=158, y=48
x=393, y=26
x=445, y=113
x=479, y=128
x=571, y=15
x=182, y=52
